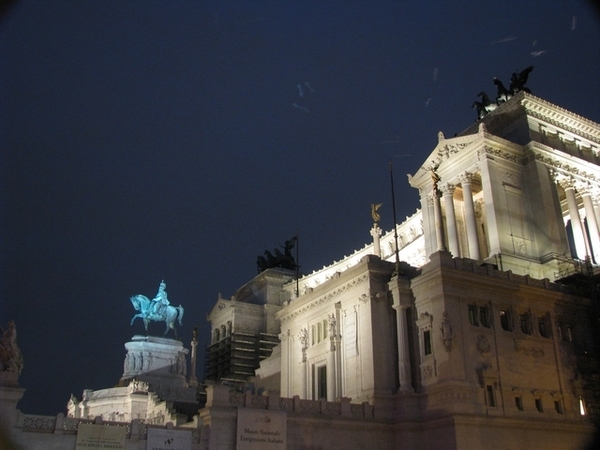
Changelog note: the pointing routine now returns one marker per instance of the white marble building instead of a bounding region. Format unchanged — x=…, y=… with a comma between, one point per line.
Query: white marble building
x=484, y=324
x=478, y=337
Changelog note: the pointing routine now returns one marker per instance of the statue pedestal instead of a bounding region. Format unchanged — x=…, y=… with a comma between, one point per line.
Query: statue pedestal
x=156, y=361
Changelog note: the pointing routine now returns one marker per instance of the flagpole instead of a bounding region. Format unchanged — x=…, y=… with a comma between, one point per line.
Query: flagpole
x=297, y=265
x=395, y=221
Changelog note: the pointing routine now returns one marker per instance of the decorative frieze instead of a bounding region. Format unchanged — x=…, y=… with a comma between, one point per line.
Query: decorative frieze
x=446, y=332
x=303, y=338
x=326, y=298
x=560, y=169
x=496, y=152
x=512, y=179
x=483, y=345
x=536, y=352
x=427, y=372
x=561, y=118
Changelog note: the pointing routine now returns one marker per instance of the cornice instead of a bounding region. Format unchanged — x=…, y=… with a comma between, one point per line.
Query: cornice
x=488, y=150
x=554, y=159
x=561, y=118
x=224, y=305
x=326, y=298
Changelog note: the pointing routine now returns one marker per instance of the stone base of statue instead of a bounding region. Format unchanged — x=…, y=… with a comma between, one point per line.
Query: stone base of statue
x=10, y=394
x=153, y=386
x=156, y=361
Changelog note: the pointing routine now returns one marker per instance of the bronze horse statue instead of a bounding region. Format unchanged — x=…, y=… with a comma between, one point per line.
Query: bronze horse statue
x=150, y=310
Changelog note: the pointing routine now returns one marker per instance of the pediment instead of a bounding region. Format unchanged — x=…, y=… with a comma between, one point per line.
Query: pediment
x=221, y=305
x=454, y=156
x=445, y=149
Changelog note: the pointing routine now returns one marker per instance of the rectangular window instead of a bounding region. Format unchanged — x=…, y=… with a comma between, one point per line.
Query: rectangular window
x=505, y=320
x=558, y=406
x=519, y=403
x=543, y=327
x=538, y=405
x=322, y=382
x=524, y=322
x=427, y=342
x=484, y=318
x=319, y=381
x=473, y=315
x=491, y=398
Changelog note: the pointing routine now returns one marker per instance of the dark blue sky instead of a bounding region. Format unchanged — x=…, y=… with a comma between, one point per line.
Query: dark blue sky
x=159, y=140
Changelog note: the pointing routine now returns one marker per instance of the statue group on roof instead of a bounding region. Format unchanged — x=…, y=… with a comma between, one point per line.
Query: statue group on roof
x=284, y=260
x=517, y=84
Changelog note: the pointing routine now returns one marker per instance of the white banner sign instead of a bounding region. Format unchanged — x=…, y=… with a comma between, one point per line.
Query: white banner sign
x=259, y=429
x=100, y=437
x=164, y=439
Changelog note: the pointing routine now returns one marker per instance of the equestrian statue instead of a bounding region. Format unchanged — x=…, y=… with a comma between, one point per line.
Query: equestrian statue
x=158, y=309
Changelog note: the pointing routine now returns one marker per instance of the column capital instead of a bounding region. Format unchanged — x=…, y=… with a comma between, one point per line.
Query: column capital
x=465, y=178
x=585, y=188
x=448, y=189
x=564, y=181
x=376, y=231
x=430, y=196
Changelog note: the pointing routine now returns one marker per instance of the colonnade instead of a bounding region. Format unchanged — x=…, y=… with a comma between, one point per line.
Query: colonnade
x=447, y=192
x=587, y=243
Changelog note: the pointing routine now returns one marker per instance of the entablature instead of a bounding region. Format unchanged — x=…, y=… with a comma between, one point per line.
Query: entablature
x=561, y=118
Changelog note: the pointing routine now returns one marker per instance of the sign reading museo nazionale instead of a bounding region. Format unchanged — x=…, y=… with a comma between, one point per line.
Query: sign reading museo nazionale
x=165, y=439
x=100, y=437
x=259, y=429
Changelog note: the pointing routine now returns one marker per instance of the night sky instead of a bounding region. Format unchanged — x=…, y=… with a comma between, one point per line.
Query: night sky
x=143, y=141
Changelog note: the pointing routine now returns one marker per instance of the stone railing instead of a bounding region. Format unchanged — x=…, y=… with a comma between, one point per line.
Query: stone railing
x=469, y=265
x=408, y=231
x=59, y=424
x=219, y=395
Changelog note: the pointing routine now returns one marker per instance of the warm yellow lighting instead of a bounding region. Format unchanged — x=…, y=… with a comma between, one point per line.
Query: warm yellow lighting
x=581, y=407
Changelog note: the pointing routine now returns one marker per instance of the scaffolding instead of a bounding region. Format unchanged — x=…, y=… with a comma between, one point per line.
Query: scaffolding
x=235, y=357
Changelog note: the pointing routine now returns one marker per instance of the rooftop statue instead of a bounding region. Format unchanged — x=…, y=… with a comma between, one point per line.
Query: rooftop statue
x=485, y=106
x=158, y=309
x=374, y=214
x=518, y=80
x=11, y=359
x=517, y=84
x=284, y=260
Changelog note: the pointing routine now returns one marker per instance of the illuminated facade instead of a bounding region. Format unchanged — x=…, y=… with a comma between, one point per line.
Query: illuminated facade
x=483, y=331
x=480, y=337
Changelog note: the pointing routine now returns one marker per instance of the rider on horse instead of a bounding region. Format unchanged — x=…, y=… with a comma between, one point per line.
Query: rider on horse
x=160, y=301
x=158, y=309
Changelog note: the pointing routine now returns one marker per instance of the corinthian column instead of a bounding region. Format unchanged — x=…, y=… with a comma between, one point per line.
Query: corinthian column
x=470, y=221
x=331, y=360
x=586, y=195
x=448, y=192
x=437, y=212
x=569, y=187
x=286, y=341
x=402, y=299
